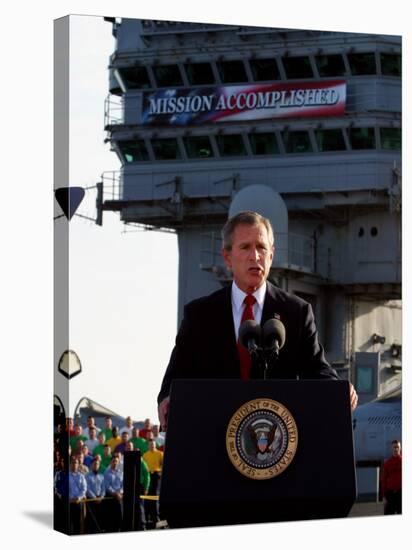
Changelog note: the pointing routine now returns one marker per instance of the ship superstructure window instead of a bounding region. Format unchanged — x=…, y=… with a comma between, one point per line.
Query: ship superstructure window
x=231, y=145
x=297, y=67
x=362, y=63
x=297, y=141
x=391, y=64
x=330, y=140
x=167, y=75
x=364, y=379
x=264, y=144
x=330, y=65
x=166, y=149
x=391, y=138
x=362, y=138
x=135, y=77
x=232, y=71
x=133, y=151
x=198, y=147
x=199, y=73
x=264, y=69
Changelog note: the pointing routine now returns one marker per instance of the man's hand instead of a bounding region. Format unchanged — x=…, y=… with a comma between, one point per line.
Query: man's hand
x=353, y=397
x=163, y=411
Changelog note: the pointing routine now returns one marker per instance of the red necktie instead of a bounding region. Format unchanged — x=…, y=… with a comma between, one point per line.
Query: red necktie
x=245, y=359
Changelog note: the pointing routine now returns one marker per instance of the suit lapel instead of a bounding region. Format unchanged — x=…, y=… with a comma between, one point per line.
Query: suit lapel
x=227, y=332
x=270, y=304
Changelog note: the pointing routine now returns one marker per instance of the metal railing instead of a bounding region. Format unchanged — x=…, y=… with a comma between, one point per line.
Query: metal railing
x=113, y=110
x=301, y=252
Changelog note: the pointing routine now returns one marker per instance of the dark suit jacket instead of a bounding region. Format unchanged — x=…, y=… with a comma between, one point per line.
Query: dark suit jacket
x=206, y=344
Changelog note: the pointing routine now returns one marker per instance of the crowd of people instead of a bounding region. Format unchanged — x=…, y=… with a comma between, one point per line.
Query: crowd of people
x=89, y=474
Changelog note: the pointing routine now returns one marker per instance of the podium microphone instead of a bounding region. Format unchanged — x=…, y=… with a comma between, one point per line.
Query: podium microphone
x=249, y=336
x=273, y=336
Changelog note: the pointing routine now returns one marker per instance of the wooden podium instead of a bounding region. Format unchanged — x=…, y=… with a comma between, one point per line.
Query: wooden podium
x=201, y=485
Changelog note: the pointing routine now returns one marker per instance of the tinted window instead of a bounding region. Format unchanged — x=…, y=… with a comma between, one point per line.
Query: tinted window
x=198, y=147
x=297, y=142
x=166, y=149
x=136, y=77
x=364, y=379
x=167, y=75
x=133, y=151
x=330, y=65
x=263, y=144
x=297, y=67
x=231, y=145
x=362, y=138
x=232, y=71
x=391, y=138
x=362, y=63
x=391, y=64
x=330, y=140
x=264, y=69
x=199, y=73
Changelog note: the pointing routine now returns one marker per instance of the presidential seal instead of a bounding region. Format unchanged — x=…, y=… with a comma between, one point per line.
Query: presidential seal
x=261, y=439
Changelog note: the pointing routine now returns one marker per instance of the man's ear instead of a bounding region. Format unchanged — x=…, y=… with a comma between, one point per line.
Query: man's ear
x=273, y=253
x=227, y=256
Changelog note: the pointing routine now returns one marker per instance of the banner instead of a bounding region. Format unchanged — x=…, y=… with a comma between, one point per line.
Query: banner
x=194, y=106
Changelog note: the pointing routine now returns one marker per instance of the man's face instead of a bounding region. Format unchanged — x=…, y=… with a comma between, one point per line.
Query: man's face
x=108, y=423
x=250, y=257
x=90, y=421
x=152, y=445
x=92, y=432
x=115, y=462
x=129, y=422
x=77, y=429
x=95, y=465
x=102, y=438
x=396, y=449
x=74, y=464
x=107, y=450
x=125, y=437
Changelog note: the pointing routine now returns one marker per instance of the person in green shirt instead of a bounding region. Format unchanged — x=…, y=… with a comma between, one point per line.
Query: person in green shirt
x=99, y=449
x=78, y=434
x=139, y=442
x=108, y=427
x=106, y=458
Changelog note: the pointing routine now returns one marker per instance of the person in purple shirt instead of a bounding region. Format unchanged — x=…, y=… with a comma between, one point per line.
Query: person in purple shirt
x=121, y=447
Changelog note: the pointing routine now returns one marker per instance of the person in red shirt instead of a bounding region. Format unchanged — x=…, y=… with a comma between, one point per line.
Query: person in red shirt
x=147, y=427
x=392, y=481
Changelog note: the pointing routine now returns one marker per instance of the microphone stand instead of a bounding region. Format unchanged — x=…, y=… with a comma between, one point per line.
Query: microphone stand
x=269, y=355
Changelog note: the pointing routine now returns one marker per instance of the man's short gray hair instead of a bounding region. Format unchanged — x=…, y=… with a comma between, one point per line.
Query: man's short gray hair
x=247, y=217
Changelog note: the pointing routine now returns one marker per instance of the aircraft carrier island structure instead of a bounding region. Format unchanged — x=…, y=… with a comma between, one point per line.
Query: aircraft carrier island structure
x=302, y=126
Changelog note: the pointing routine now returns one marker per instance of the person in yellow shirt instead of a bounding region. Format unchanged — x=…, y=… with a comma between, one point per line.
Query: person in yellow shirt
x=115, y=439
x=154, y=460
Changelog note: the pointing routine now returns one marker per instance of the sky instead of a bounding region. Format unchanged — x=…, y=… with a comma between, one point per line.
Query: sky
x=117, y=272
x=26, y=297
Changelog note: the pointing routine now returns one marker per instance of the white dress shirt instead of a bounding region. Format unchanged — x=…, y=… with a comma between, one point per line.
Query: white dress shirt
x=238, y=305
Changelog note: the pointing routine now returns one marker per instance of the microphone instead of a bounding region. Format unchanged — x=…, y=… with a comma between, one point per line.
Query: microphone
x=249, y=335
x=273, y=335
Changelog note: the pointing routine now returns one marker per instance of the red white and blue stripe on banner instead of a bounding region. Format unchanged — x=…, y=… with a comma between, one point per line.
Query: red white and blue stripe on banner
x=194, y=106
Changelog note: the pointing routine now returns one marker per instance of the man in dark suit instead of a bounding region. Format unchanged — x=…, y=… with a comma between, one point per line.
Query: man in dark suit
x=207, y=341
